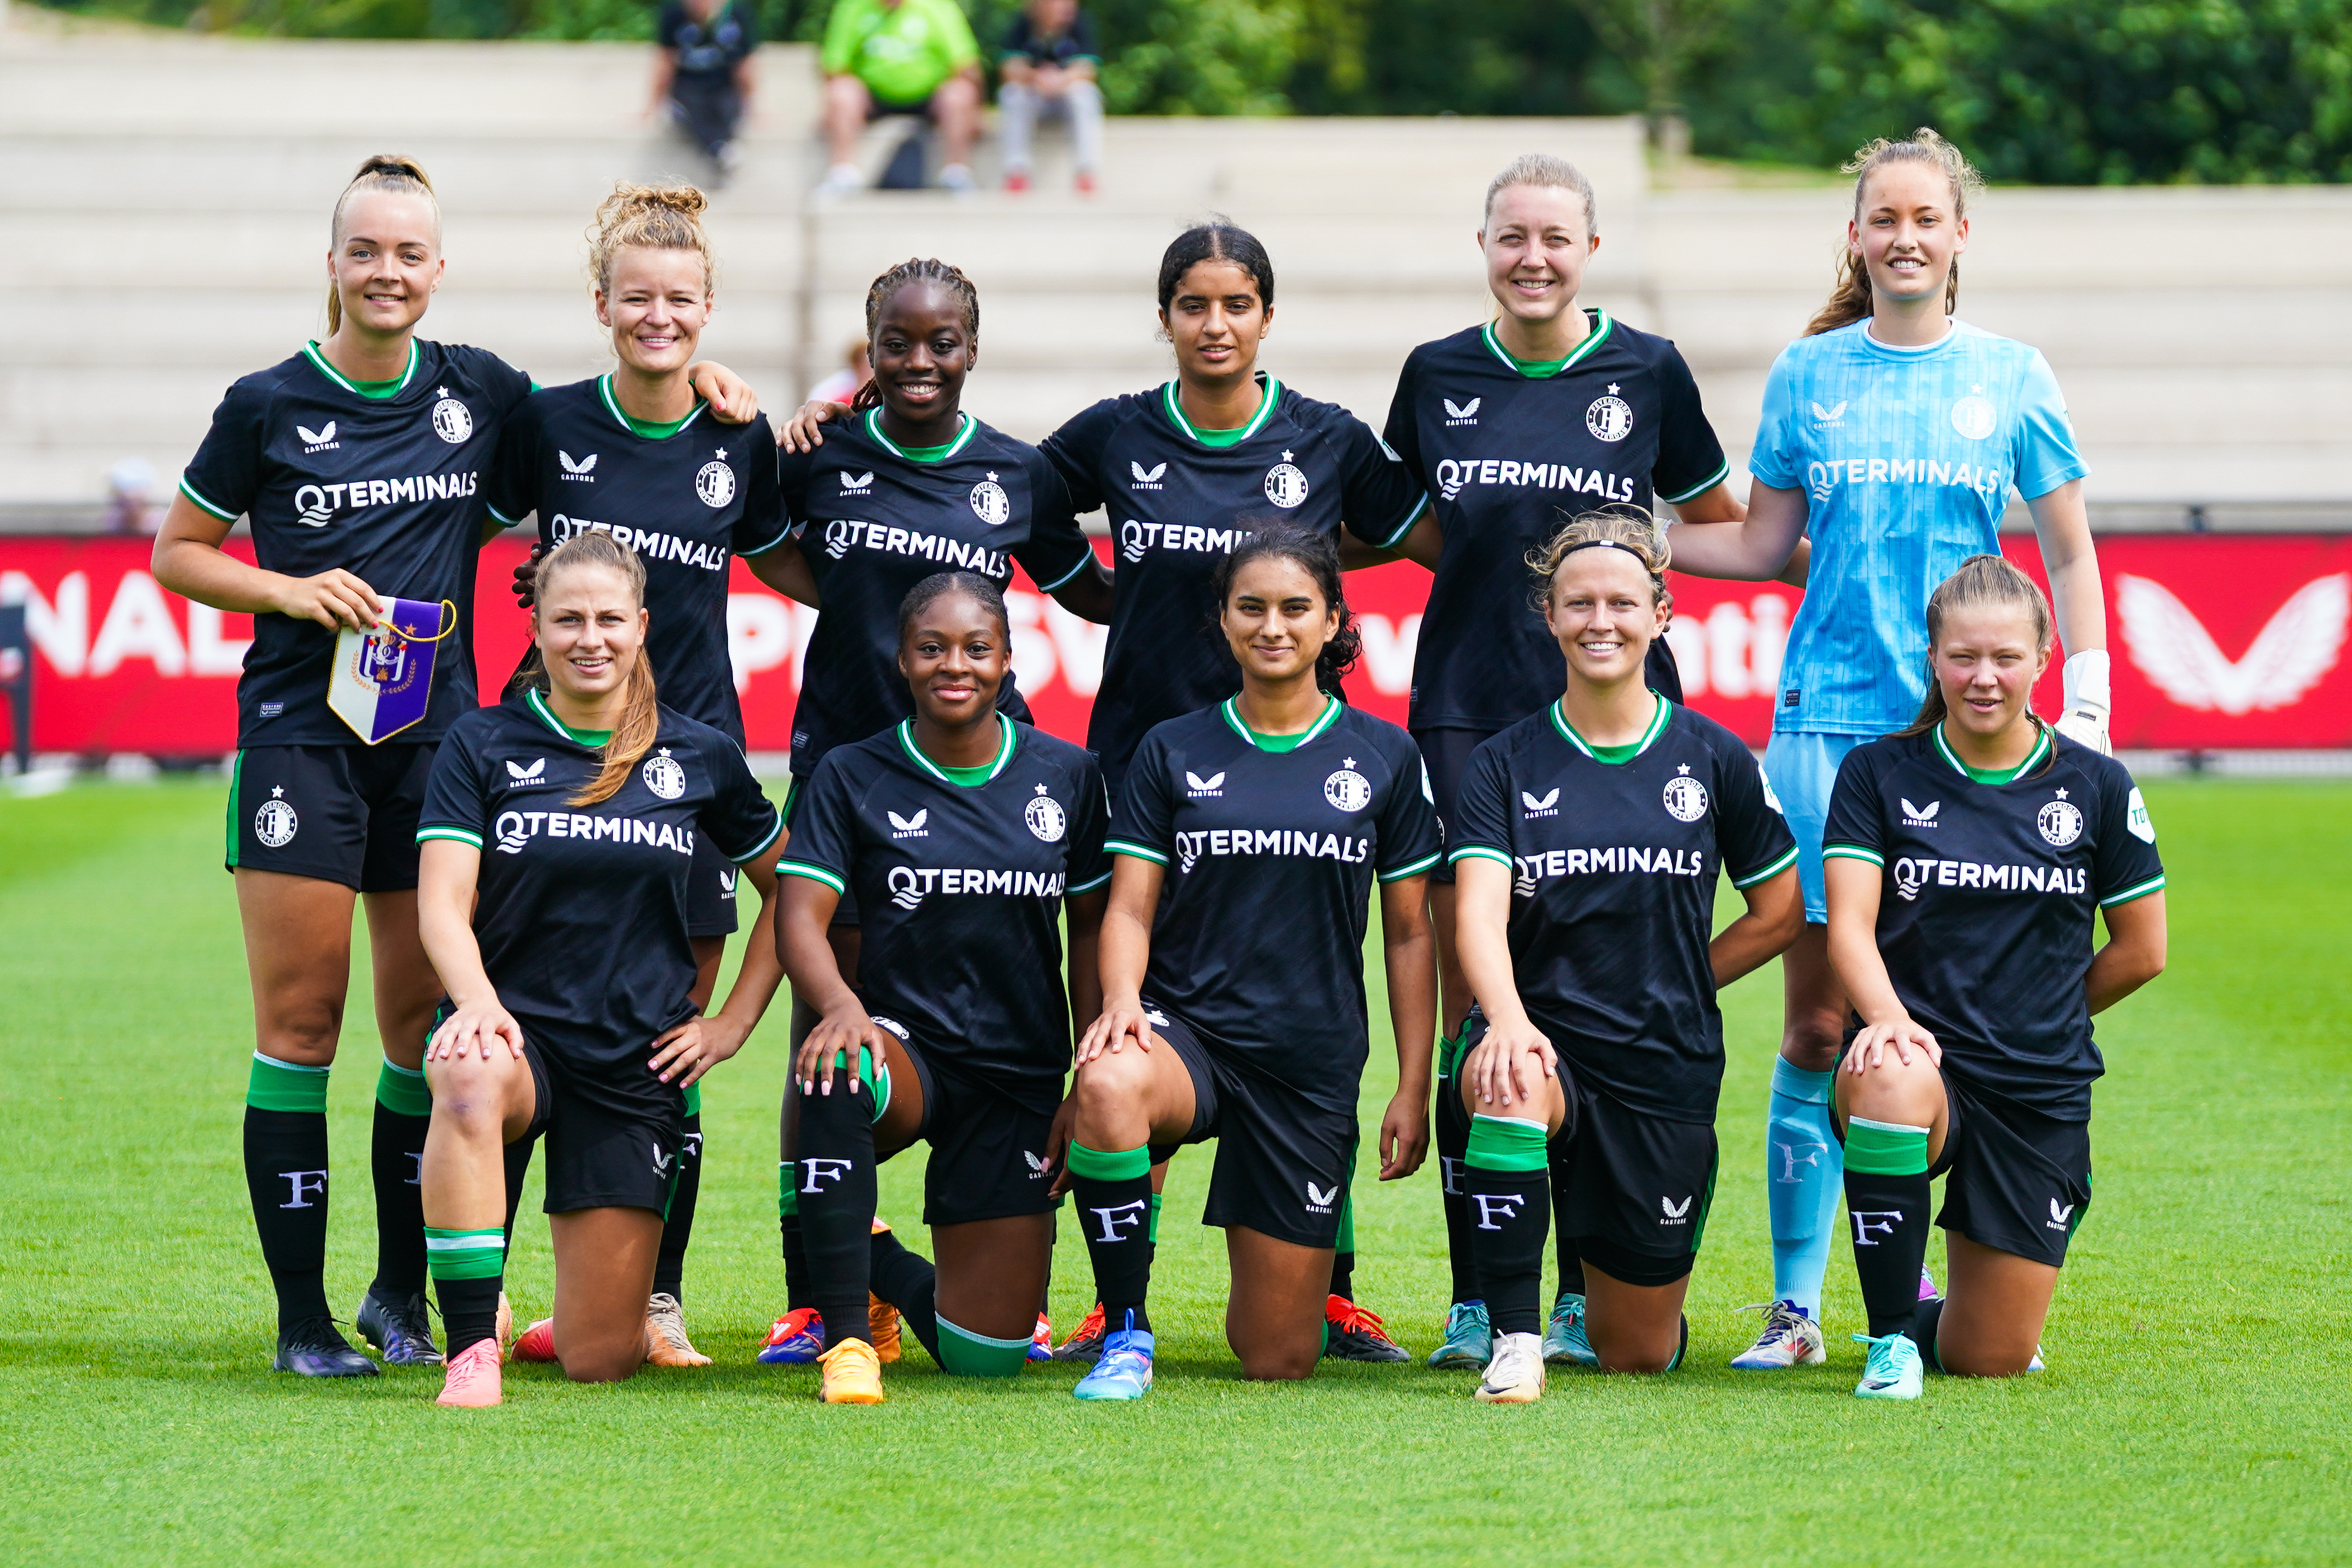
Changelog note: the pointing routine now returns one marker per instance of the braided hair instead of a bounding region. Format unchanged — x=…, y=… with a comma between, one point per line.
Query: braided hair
x=915, y=269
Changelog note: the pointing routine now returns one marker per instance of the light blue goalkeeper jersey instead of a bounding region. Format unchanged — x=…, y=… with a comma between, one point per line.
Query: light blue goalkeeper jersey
x=1906, y=457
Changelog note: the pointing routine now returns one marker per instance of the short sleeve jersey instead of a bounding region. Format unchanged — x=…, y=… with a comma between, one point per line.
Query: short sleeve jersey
x=387, y=483
x=1511, y=450
x=1178, y=500
x=707, y=48
x=959, y=877
x=874, y=519
x=1614, y=853
x=1271, y=855
x=1906, y=457
x=688, y=499
x=901, y=51
x=583, y=909
x=1067, y=47
x=1989, y=883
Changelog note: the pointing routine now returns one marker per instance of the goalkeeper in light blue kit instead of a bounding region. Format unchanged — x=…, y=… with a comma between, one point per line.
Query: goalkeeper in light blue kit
x=1892, y=437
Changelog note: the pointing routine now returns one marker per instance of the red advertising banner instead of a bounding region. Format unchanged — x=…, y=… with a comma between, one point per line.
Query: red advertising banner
x=2220, y=642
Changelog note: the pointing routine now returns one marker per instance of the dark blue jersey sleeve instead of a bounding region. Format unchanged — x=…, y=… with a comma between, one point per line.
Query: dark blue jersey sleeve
x=740, y=818
x=1056, y=549
x=513, y=491
x=792, y=470
x=225, y=474
x=1856, y=825
x=1402, y=433
x=2124, y=864
x=1412, y=839
x=1144, y=822
x=1076, y=452
x=764, y=525
x=1482, y=809
x=1090, y=826
x=1381, y=499
x=1750, y=834
x=825, y=828
x=1690, y=459
x=457, y=802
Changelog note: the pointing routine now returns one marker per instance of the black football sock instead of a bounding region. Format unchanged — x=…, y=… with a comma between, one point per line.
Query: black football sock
x=468, y=1270
x=1924, y=1323
x=1452, y=1138
x=908, y=1281
x=1508, y=1192
x=799, y=1292
x=1112, y=1192
x=1887, y=1198
x=518, y=1167
x=286, y=1176
x=1343, y=1275
x=836, y=1197
x=1571, y=1264
x=403, y=1110
x=677, y=1228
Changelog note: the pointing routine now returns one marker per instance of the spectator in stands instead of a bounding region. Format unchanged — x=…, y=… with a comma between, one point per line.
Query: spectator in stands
x=900, y=56
x=702, y=72
x=130, y=498
x=1049, y=64
x=843, y=384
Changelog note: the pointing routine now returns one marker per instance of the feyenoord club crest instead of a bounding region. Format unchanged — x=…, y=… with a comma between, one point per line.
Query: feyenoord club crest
x=1286, y=487
x=451, y=420
x=1046, y=818
x=276, y=822
x=1610, y=418
x=663, y=776
x=1347, y=789
x=990, y=504
x=2061, y=821
x=1973, y=415
x=715, y=484
x=1685, y=798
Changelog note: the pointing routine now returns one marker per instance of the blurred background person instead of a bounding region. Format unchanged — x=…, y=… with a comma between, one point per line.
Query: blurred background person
x=702, y=73
x=842, y=385
x=1049, y=64
x=130, y=498
x=899, y=56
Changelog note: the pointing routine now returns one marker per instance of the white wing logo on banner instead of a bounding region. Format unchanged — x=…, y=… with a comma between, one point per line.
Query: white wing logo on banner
x=2288, y=657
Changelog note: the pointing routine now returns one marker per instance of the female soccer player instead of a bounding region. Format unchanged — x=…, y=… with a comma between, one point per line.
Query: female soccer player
x=907, y=485
x=1966, y=855
x=631, y=450
x=1248, y=837
x=360, y=461
x=1551, y=409
x=965, y=836
x=1187, y=470
x=1892, y=435
x=1587, y=843
x=570, y=965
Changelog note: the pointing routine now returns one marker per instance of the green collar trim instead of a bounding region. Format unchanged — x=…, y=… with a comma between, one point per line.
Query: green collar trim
x=377, y=391
x=1995, y=775
x=651, y=430
x=1007, y=739
x=1614, y=755
x=966, y=425
x=1269, y=393
x=1542, y=370
x=592, y=738
x=1230, y=708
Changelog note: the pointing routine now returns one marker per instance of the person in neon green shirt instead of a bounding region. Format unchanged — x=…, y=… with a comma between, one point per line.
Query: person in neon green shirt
x=900, y=56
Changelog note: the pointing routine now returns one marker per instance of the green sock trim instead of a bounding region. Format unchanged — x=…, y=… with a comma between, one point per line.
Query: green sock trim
x=1505, y=1144
x=401, y=1090
x=1884, y=1148
x=1152, y=1232
x=276, y=1085
x=964, y=1354
x=693, y=1099
x=788, y=1191
x=466, y=1254
x=1448, y=1051
x=1099, y=1165
x=1346, y=1242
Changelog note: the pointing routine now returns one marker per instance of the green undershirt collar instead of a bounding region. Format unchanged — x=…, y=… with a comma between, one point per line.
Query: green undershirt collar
x=376, y=392
x=651, y=430
x=1269, y=393
x=1281, y=743
x=1541, y=370
x=1995, y=775
x=1614, y=755
x=965, y=425
x=537, y=702
x=1007, y=739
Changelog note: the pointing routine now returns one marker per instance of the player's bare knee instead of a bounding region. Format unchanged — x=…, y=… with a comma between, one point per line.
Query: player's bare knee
x=1814, y=1041
x=1110, y=1088
x=1891, y=1090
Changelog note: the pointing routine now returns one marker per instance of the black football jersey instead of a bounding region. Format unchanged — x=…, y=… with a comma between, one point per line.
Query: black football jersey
x=960, y=874
x=1178, y=500
x=873, y=520
x=688, y=502
x=1271, y=854
x=582, y=912
x=1613, y=862
x=393, y=489
x=1985, y=907
x=1507, y=456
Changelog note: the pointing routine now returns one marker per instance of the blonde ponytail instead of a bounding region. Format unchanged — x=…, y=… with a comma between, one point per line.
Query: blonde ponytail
x=389, y=172
x=1850, y=300
x=640, y=722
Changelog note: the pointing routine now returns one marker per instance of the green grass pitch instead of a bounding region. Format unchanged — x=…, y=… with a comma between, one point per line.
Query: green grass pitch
x=2193, y=1410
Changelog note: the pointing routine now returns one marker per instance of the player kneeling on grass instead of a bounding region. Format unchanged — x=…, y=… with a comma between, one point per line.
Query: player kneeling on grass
x=1248, y=836
x=559, y=835
x=962, y=835
x=1587, y=850
x=1965, y=856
